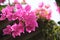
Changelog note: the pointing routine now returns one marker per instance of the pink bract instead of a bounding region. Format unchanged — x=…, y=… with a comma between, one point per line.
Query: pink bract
x=7, y=30
x=58, y=9
x=44, y=11
x=30, y=19
x=17, y=29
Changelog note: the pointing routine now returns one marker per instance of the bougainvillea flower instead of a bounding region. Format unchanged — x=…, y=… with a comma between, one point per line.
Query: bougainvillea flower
x=7, y=30
x=28, y=8
x=3, y=17
x=7, y=11
x=58, y=9
x=43, y=11
x=30, y=27
x=1, y=1
x=18, y=6
x=47, y=6
x=12, y=16
x=30, y=19
x=48, y=16
x=8, y=8
x=16, y=1
x=17, y=29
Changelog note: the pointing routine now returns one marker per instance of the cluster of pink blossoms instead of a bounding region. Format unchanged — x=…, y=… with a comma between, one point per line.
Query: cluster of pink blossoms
x=27, y=19
x=44, y=11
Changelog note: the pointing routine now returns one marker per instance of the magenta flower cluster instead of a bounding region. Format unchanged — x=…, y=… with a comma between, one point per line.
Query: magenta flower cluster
x=27, y=19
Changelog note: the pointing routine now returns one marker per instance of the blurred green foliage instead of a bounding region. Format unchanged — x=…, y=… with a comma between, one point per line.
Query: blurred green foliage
x=2, y=7
x=56, y=31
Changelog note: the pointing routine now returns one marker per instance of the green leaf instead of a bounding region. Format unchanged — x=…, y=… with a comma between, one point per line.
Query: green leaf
x=2, y=6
